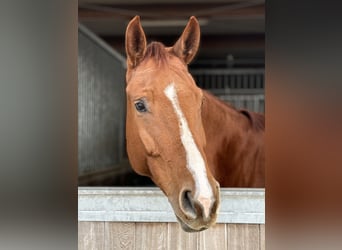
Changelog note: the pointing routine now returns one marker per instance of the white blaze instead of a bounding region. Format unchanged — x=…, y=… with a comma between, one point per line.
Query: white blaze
x=195, y=161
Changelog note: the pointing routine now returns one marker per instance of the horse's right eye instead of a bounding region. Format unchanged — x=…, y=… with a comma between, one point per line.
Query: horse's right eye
x=140, y=106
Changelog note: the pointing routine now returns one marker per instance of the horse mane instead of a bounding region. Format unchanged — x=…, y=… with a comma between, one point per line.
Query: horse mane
x=257, y=120
x=157, y=52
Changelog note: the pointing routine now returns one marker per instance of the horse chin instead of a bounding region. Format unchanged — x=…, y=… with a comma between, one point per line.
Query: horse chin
x=189, y=229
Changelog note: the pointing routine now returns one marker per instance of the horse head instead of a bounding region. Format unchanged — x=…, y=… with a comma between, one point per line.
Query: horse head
x=164, y=130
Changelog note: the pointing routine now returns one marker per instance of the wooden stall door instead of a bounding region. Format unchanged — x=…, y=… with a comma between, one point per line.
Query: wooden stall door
x=168, y=236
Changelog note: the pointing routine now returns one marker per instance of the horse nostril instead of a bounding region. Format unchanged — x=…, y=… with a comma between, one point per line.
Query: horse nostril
x=187, y=204
x=205, y=205
x=200, y=207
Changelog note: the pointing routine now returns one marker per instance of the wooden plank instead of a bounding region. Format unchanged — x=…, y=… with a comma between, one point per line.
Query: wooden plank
x=123, y=235
x=179, y=240
x=243, y=236
x=252, y=234
x=120, y=235
x=90, y=235
x=262, y=237
x=214, y=238
x=151, y=236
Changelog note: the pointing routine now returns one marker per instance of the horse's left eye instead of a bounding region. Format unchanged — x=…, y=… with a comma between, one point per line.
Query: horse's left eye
x=140, y=106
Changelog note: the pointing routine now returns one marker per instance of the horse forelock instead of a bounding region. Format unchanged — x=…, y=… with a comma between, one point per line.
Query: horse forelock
x=157, y=52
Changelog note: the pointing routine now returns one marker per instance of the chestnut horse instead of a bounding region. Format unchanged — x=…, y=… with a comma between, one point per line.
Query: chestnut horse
x=185, y=139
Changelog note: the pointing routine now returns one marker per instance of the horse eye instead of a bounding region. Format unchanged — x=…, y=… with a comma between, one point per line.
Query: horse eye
x=140, y=106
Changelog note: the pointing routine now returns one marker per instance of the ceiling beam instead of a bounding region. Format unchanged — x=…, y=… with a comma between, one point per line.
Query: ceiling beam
x=211, y=45
x=162, y=11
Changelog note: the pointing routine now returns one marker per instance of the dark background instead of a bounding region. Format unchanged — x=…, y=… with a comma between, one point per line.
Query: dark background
x=232, y=32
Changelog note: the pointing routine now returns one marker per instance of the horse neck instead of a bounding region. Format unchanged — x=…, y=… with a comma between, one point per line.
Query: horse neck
x=219, y=119
x=226, y=135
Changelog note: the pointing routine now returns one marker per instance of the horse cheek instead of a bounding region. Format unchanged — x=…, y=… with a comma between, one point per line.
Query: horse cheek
x=135, y=149
x=149, y=143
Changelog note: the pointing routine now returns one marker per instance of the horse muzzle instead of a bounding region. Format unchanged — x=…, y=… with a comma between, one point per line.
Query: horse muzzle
x=197, y=213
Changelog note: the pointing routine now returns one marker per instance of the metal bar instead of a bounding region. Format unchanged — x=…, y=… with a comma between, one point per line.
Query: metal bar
x=98, y=41
x=238, y=205
x=228, y=71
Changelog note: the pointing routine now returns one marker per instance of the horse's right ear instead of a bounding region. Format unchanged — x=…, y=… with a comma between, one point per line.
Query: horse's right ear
x=187, y=45
x=135, y=42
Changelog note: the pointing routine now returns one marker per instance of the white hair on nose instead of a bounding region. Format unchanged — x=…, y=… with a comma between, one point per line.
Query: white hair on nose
x=195, y=161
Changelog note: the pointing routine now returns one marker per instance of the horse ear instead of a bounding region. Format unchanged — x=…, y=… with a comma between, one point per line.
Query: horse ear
x=187, y=45
x=135, y=42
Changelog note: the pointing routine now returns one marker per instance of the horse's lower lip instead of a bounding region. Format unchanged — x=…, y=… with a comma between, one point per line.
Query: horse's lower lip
x=189, y=229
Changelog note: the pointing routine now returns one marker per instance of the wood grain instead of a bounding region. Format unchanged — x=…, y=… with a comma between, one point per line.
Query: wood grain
x=154, y=236
x=262, y=236
x=178, y=239
x=243, y=236
x=214, y=238
x=151, y=236
x=120, y=235
x=91, y=235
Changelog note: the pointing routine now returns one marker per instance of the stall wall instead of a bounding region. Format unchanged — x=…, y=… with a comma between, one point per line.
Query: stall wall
x=101, y=102
x=132, y=218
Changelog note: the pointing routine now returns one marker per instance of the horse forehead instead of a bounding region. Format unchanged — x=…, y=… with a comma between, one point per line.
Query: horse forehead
x=151, y=77
x=170, y=66
x=186, y=93
x=156, y=83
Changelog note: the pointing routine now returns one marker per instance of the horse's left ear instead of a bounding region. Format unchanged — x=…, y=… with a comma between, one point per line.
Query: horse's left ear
x=135, y=42
x=187, y=45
